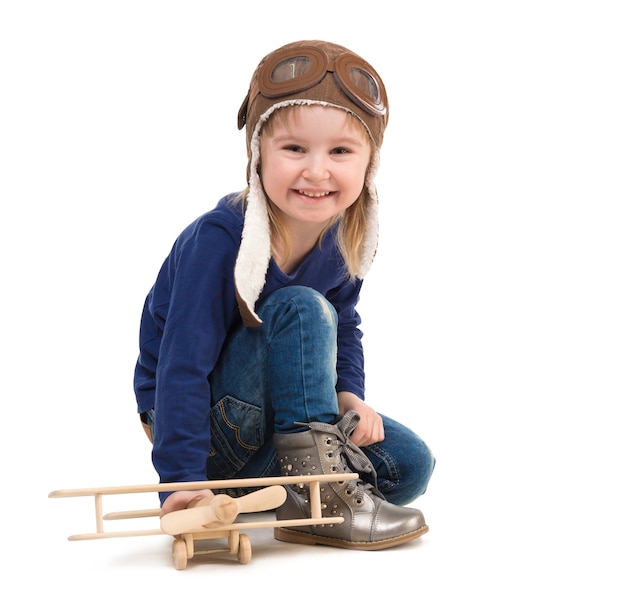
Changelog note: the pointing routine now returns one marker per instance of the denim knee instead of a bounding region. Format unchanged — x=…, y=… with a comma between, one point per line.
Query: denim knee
x=417, y=473
x=404, y=463
x=309, y=302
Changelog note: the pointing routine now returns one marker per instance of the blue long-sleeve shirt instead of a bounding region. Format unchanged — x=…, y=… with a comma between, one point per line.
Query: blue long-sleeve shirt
x=190, y=311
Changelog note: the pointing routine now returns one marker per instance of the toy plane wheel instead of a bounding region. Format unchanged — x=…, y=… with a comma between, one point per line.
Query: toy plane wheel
x=179, y=553
x=244, y=554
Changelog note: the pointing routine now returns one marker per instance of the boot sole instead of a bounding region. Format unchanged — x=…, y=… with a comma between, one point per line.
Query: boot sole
x=288, y=535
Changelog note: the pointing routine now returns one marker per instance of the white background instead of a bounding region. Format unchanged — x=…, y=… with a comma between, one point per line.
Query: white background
x=493, y=317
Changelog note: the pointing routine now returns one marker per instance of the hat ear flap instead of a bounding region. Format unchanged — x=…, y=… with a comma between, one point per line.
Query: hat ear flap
x=370, y=240
x=255, y=250
x=254, y=255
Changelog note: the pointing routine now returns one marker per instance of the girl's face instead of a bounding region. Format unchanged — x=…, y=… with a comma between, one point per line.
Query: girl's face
x=313, y=165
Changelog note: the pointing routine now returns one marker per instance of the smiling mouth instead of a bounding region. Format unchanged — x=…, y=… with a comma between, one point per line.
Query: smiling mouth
x=312, y=194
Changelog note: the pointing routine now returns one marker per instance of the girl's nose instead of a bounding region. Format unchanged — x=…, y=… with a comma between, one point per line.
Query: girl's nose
x=316, y=168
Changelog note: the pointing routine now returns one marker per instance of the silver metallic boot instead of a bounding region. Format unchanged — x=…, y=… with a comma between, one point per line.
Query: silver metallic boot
x=370, y=522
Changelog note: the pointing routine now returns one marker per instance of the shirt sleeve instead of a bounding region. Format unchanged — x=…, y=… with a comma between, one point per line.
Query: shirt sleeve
x=194, y=298
x=350, y=359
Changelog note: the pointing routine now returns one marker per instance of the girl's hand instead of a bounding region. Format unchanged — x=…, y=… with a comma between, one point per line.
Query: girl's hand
x=370, y=427
x=181, y=499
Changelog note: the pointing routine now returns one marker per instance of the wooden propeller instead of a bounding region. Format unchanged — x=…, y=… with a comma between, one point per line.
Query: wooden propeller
x=221, y=510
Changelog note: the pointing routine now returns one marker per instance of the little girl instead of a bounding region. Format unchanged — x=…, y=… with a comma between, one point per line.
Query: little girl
x=251, y=363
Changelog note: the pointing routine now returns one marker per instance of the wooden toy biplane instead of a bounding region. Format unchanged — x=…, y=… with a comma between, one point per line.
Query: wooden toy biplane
x=212, y=518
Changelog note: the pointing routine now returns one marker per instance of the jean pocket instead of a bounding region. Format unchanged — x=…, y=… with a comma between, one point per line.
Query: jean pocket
x=236, y=435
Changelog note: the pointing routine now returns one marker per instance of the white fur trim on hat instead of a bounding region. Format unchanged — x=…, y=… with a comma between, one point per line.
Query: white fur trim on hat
x=255, y=250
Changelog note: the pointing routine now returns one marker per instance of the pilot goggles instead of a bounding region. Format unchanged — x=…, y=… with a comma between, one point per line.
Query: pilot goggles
x=289, y=71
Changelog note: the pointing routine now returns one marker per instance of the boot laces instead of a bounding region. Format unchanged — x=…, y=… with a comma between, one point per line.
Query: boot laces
x=351, y=456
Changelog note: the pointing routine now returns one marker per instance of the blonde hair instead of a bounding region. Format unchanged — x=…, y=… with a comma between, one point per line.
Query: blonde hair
x=351, y=222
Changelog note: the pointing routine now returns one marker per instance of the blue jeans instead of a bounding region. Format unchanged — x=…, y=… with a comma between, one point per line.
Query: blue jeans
x=284, y=371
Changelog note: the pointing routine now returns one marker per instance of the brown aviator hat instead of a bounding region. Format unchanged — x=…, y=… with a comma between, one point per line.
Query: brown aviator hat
x=305, y=72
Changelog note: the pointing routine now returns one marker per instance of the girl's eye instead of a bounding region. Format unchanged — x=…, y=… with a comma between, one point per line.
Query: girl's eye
x=341, y=151
x=293, y=148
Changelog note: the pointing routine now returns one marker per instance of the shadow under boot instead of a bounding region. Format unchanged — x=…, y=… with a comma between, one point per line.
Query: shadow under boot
x=370, y=522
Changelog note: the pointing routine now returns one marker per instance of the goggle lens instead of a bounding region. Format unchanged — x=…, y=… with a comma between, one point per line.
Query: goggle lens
x=290, y=69
x=364, y=82
x=363, y=86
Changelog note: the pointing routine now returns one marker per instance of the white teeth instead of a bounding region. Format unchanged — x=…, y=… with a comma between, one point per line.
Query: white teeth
x=313, y=194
